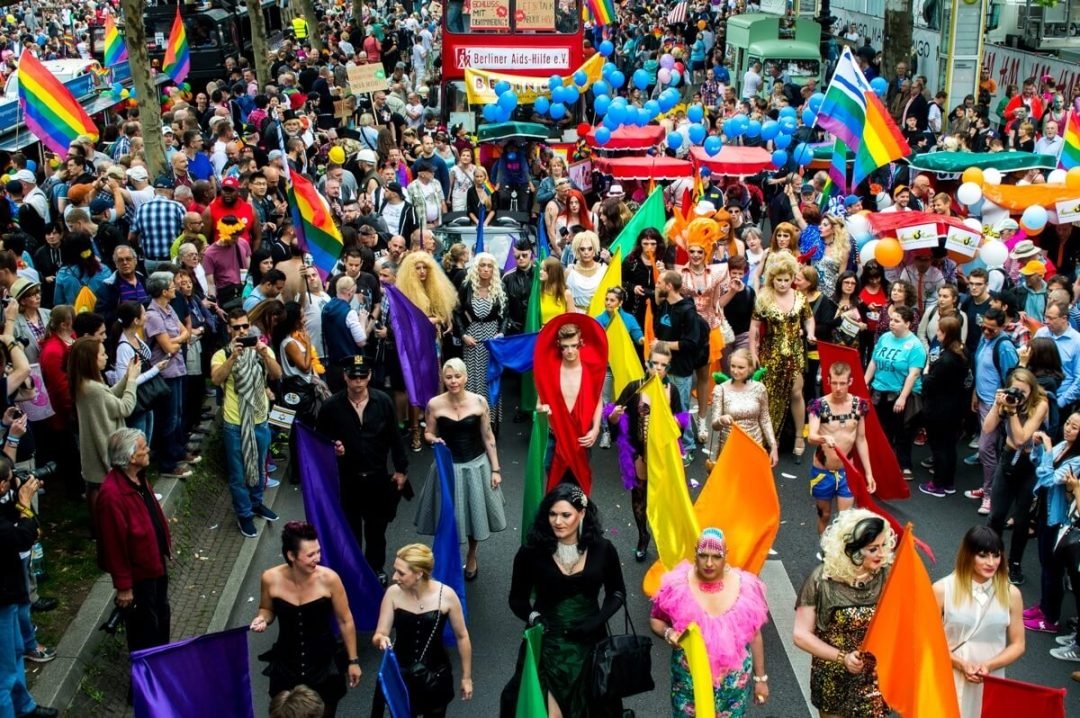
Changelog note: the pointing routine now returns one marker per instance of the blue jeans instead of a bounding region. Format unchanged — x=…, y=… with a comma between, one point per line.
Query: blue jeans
x=683, y=385
x=144, y=422
x=171, y=420
x=243, y=498
x=15, y=698
x=26, y=626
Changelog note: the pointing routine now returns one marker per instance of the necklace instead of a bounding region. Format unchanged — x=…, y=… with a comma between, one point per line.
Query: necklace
x=567, y=556
x=419, y=603
x=712, y=586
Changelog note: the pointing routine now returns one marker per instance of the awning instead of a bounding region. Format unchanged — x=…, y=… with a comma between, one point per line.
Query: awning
x=733, y=160
x=629, y=138
x=955, y=162
x=643, y=168
x=512, y=130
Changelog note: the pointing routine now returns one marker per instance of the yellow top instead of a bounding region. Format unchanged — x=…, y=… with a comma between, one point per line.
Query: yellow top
x=231, y=408
x=551, y=307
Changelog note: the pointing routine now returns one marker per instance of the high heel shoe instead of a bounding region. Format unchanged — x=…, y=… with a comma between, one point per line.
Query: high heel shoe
x=642, y=549
x=797, y=452
x=414, y=443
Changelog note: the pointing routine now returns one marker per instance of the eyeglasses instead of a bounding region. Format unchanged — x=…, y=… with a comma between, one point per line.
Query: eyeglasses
x=239, y=327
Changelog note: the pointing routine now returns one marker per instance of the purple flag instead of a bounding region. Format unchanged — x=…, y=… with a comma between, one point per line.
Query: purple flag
x=202, y=676
x=322, y=506
x=447, y=544
x=515, y=353
x=510, y=265
x=414, y=336
x=393, y=686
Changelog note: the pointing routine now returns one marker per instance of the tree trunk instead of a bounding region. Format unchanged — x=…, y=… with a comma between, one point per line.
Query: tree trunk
x=897, y=42
x=314, y=36
x=146, y=94
x=358, y=12
x=260, y=45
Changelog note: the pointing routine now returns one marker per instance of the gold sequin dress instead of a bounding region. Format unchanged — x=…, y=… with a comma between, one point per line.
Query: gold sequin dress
x=781, y=351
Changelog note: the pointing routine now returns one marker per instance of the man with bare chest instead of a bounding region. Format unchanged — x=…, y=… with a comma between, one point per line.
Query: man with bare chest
x=837, y=424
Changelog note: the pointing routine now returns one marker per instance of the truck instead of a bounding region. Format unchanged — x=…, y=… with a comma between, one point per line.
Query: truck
x=792, y=43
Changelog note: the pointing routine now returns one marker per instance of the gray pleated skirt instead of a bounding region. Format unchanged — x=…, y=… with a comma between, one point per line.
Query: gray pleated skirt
x=480, y=510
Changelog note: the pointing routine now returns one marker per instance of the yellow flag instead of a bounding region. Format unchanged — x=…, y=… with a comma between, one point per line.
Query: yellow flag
x=697, y=658
x=622, y=357
x=612, y=278
x=671, y=515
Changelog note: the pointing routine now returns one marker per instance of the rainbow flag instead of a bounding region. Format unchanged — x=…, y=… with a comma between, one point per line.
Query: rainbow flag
x=315, y=229
x=1070, y=148
x=115, y=48
x=177, y=62
x=51, y=112
x=602, y=11
x=882, y=142
x=837, y=172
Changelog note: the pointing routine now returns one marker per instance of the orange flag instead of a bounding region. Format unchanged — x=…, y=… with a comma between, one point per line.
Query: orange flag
x=907, y=638
x=650, y=335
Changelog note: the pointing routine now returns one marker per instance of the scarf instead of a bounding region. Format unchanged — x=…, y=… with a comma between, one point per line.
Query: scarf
x=248, y=382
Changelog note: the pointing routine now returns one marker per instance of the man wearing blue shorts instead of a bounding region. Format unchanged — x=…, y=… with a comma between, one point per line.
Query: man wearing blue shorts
x=837, y=424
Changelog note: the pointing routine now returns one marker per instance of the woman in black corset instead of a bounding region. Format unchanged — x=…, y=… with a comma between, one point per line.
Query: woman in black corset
x=461, y=420
x=306, y=599
x=417, y=608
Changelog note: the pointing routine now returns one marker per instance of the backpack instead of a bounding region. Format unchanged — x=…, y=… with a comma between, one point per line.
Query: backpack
x=85, y=300
x=701, y=357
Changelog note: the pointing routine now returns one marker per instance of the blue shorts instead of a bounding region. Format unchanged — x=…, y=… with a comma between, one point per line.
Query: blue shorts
x=826, y=484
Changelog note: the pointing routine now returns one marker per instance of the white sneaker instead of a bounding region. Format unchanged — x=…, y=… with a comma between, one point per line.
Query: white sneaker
x=984, y=507
x=974, y=443
x=1066, y=640
x=605, y=440
x=1067, y=653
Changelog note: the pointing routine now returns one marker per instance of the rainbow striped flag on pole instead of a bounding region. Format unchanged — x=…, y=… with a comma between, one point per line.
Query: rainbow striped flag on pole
x=177, y=62
x=316, y=232
x=1070, y=147
x=602, y=11
x=51, y=112
x=882, y=142
x=115, y=47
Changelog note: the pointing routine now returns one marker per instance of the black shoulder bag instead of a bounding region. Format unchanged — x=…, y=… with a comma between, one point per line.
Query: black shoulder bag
x=621, y=664
x=429, y=688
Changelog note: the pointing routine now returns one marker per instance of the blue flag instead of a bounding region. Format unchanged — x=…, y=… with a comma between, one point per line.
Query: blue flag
x=543, y=247
x=479, y=246
x=414, y=337
x=322, y=506
x=447, y=544
x=202, y=676
x=514, y=353
x=393, y=686
x=509, y=265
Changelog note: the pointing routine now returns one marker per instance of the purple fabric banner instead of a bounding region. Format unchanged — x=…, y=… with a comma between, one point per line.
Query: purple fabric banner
x=202, y=676
x=447, y=544
x=393, y=686
x=322, y=506
x=414, y=336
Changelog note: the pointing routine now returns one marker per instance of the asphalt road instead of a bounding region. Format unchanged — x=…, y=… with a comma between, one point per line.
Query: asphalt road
x=495, y=630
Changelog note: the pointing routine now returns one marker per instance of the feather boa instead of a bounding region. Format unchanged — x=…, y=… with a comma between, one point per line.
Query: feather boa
x=727, y=635
x=625, y=448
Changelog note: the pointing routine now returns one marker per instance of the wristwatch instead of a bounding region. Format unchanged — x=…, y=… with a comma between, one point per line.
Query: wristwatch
x=354, y=661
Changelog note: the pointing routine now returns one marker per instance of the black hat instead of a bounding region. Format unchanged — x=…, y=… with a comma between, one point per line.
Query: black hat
x=395, y=188
x=357, y=368
x=164, y=182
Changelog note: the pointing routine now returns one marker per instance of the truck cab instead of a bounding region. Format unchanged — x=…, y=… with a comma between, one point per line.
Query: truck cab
x=794, y=44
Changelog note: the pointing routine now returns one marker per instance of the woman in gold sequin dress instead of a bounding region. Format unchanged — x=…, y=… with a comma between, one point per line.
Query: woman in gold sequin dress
x=743, y=402
x=786, y=319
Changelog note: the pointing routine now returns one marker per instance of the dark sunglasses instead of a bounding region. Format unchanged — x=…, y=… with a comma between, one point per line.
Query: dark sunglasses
x=239, y=327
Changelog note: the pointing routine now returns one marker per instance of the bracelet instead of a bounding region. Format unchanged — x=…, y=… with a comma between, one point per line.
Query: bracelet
x=13, y=440
x=496, y=471
x=761, y=679
x=840, y=656
x=25, y=511
x=667, y=633
x=354, y=661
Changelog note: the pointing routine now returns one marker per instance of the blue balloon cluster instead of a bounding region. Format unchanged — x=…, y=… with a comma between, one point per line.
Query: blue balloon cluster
x=781, y=131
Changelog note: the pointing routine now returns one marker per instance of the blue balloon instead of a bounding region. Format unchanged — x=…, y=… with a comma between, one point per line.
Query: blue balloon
x=753, y=128
x=770, y=129
x=712, y=145
x=808, y=117
x=501, y=86
x=557, y=111
x=742, y=122
x=788, y=111
x=676, y=78
x=117, y=88
x=782, y=142
x=617, y=79
x=581, y=78
x=570, y=95
x=542, y=105
x=804, y=154
x=554, y=81
x=601, y=105
x=642, y=117
x=508, y=101
x=611, y=123
x=616, y=113
x=557, y=94
x=640, y=78
x=779, y=159
x=666, y=101
x=620, y=102
x=600, y=87
x=489, y=112
x=501, y=114
x=697, y=133
x=815, y=101
x=607, y=69
x=674, y=140
x=788, y=125
x=880, y=85
x=696, y=113
x=606, y=48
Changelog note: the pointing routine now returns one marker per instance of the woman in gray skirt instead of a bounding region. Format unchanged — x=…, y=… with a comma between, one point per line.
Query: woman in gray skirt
x=461, y=420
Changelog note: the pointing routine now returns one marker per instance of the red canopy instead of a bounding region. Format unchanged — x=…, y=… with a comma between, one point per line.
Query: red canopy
x=733, y=160
x=629, y=138
x=643, y=168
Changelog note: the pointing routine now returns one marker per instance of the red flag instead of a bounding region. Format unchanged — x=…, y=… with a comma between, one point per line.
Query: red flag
x=1005, y=698
x=887, y=475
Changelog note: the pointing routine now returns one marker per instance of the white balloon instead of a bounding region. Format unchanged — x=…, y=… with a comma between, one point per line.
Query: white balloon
x=969, y=193
x=1023, y=182
x=994, y=253
x=975, y=224
x=867, y=252
x=992, y=176
x=858, y=225
x=1056, y=177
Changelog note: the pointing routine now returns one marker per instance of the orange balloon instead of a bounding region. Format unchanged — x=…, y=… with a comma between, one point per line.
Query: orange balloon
x=1072, y=178
x=889, y=252
x=973, y=174
x=1031, y=232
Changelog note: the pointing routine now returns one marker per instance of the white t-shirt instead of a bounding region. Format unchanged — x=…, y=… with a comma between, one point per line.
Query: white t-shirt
x=751, y=84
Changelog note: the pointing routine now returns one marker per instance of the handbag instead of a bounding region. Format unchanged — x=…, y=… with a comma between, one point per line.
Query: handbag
x=152, y=391
x=429, y=688
x=300, y=396
x=912, y=409
x=1067, y=548
x=621, y=664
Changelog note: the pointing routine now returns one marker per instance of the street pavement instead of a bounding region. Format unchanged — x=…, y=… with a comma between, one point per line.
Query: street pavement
x=495, y=631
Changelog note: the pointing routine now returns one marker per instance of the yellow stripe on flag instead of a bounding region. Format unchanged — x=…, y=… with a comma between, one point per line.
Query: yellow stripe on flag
x=622, y=356
x=697, y=659
x=612, y=278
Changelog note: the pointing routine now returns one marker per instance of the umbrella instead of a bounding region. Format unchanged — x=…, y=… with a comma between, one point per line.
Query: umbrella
x=643, y=168
x=512, y=130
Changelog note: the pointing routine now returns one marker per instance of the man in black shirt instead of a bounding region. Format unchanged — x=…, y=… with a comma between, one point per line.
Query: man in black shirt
x=362, y=423
x=677, y=325
x=518, y=286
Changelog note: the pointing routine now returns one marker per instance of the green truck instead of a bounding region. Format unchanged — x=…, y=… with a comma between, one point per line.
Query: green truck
x=792, y=43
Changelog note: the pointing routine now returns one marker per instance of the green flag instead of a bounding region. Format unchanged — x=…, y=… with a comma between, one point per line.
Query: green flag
x=650, y=214
x=532, y=324
x=531, y=702
x=535, y=476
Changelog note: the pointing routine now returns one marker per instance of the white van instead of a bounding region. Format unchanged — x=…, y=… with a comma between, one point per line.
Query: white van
x=63, y=70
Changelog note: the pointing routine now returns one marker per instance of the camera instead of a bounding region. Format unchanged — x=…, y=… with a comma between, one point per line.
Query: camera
x=43, y=472
x=115, y=620
x=1013, y=396
x=248, y=341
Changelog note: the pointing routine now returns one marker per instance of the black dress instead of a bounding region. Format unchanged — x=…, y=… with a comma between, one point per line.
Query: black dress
x=307, y=651
x=418, y=639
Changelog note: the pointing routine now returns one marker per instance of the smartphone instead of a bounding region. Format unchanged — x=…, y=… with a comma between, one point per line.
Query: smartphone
x=249, y=341
x=16, y=414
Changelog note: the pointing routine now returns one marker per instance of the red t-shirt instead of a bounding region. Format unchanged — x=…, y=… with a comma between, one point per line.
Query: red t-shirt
x=875, y=302
x=241, y=209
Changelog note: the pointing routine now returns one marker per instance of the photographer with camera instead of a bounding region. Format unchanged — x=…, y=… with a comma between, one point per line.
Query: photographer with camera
x=1021, y=408
x=18, y=532
x=134, y=544
x=243, y=368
